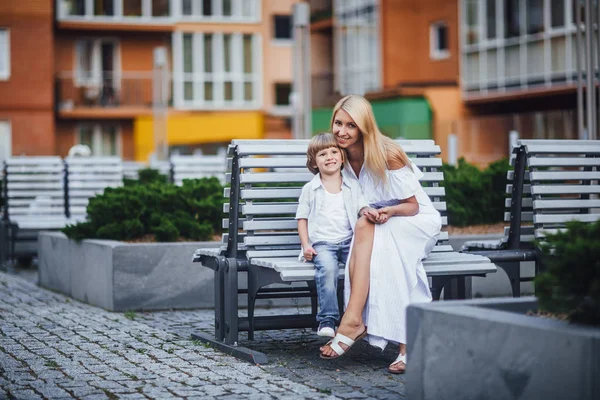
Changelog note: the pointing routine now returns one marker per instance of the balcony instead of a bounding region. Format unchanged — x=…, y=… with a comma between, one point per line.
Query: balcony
x=153, y=15
x=106, y=95
x=321, y=14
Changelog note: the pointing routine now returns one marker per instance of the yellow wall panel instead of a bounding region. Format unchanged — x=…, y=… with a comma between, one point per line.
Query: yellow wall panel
x=198, y=128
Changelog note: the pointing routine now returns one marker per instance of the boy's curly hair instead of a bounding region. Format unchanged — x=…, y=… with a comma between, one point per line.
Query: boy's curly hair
x=321, y=141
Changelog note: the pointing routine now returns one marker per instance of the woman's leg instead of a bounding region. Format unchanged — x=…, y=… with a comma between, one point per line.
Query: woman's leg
x=359, y=269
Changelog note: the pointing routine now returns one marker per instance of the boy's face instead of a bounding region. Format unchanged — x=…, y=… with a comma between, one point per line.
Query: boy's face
x=329, y=161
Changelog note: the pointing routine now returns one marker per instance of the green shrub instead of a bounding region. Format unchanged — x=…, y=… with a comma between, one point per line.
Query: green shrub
x=146, y=176
x=474, y=196
x=570, y=283
x=150, y=206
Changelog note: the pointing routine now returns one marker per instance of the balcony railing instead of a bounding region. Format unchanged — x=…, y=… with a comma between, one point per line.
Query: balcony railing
x=320, y=10
x=106, y=90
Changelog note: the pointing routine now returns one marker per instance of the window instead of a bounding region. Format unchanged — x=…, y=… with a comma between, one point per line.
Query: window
x=472, y=21
x=5, y=141
x=4, y=54
x=282, y=94
x=535, y=16
x=103, y=140
x=119, y=10
x=490, y=11
x=557, y=14
x=511, y=19
x=217, y=70
x=439, y=41
x=282, y=25
x=95, y=61
x=232, y=10
x=357, y=43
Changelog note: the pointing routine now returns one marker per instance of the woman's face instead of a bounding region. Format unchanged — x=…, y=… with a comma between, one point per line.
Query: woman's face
x=345, y=130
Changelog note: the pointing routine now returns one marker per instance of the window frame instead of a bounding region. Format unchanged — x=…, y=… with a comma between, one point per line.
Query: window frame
x=96, y=73
x=198, y=77
x=97, y=137
x=5, y=75
x=280, y=41
x=434, y=52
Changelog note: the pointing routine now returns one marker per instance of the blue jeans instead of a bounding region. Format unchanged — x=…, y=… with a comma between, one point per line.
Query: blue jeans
x=326, y=277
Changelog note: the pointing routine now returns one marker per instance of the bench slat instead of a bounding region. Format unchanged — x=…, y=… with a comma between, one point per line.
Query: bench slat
x=536, y=162
x=565, y=189
x=564, y=204
x=563, y=218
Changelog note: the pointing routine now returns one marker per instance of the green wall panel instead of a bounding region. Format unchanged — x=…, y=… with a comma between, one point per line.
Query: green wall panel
x=409, y=118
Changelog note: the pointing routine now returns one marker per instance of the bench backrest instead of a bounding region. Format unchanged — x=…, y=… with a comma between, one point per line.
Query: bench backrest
x=564, y=178
x=34, y=191
x=197, y=167
x=87, y=177
x=266, y=179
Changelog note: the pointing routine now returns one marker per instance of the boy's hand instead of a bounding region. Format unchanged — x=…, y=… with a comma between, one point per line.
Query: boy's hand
x=309, y=252
x=384, y=215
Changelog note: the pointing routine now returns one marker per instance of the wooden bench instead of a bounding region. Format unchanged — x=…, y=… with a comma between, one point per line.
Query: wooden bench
x=34, y=200
x=197, y=167
x=262, y=238
x=86, y=178
x=564, y=179
x=518, y=244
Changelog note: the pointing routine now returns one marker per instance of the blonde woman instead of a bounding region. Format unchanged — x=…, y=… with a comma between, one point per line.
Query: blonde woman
x=384, y=272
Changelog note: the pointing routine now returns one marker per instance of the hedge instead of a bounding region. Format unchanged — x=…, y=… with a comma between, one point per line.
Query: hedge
x=151, y=206
x=475, y=196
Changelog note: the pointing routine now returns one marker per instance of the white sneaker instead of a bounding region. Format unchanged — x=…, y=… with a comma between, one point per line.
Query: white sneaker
x=326, y=331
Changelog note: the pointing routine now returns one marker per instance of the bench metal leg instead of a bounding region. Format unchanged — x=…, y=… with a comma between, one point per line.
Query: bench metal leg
x=230, y=301
x=513, y=270
x=220, y=300
x=253, y=288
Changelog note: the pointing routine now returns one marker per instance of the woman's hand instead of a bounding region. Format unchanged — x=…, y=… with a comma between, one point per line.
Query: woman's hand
x=385, y=213
x=370, y=214
x=309, y=253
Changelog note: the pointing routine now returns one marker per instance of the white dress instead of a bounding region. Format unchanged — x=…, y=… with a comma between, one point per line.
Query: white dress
x=399, y=246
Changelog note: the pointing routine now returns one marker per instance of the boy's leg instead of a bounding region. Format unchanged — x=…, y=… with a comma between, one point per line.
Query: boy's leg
x=326, y=276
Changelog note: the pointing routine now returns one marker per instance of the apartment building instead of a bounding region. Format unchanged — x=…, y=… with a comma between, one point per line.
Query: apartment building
x=123, y=75
x=477, y=69
x=26, y=78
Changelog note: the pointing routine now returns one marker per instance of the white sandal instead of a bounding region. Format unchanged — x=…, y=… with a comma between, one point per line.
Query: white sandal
x=339, y=338
x=400, y=358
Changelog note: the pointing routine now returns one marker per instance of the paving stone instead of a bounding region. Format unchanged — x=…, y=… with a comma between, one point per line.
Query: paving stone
x=153, y=356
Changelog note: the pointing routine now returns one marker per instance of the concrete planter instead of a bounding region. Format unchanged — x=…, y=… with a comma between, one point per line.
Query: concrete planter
x=489, y=349
x=121, y=276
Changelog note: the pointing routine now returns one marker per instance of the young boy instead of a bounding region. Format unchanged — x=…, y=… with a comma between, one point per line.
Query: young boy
x=327, y=212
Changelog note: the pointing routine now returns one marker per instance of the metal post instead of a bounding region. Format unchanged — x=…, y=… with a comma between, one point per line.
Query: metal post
x=513, y=138
x=301, y=98
x=452, y=149
x=160, y=90
x=590, y=90
x=581, y=132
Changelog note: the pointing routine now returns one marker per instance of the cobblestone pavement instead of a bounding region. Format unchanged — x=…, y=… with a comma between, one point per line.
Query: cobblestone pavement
x=54, y=347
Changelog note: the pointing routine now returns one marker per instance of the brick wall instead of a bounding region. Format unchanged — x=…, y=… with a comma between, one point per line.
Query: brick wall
x=27, y=97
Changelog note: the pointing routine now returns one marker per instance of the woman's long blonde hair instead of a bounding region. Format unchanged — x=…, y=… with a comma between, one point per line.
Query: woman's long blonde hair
x=379, y=150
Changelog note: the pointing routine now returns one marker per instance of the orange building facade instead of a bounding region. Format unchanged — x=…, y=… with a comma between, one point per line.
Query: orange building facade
x=89, y=72
x=436, y=68
x=26, y=78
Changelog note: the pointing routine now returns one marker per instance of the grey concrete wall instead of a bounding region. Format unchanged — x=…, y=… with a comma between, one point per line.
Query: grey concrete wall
x=476, y=350
x=121, y=276
x=494, y=285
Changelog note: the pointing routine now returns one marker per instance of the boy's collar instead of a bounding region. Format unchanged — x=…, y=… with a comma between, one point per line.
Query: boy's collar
x=316, y=182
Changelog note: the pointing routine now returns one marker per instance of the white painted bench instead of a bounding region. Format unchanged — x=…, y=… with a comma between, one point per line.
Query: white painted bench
x=564, y=183
x=87, y=177
x=262, y=237
x=35, y=200
x=198, y=167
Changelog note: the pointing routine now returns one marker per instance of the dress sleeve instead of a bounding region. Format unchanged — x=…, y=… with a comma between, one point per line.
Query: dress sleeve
x=404, y=182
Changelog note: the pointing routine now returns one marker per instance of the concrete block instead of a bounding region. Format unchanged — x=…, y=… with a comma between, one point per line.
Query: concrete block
x=121, y=276
x=480, y=349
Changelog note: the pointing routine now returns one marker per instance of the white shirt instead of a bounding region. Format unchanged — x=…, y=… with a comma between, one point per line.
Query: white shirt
x=312, y=197
x=334, y=225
